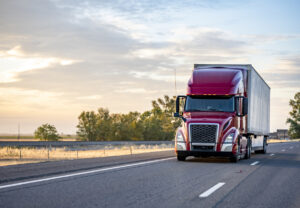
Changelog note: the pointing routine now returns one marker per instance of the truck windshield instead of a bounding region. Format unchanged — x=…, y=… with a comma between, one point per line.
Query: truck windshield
x=224, y=104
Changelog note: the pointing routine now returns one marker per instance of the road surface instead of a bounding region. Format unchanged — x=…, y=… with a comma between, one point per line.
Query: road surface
x=158, y=180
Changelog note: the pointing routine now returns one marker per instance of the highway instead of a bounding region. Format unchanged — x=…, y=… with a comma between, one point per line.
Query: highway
x=158, y=180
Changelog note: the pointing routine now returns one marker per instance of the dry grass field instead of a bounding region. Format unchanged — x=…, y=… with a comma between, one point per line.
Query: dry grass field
x=11, y=156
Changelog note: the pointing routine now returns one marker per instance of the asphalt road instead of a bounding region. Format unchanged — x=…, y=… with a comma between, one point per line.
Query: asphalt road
x=270, y=180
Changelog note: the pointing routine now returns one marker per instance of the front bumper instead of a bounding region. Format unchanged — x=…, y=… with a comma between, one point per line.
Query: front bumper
x=204, y=153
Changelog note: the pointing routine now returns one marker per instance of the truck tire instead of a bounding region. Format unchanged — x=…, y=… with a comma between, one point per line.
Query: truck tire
x=181, y=158
x=235, y=158
x=249, y=149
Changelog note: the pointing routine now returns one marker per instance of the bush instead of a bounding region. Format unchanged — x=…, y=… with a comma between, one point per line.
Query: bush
x=46, y=132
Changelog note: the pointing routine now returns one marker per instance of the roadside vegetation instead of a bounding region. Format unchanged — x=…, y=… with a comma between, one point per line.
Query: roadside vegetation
x=46, y=132
x=17, y=155
x=155, y=124
x=294, y=119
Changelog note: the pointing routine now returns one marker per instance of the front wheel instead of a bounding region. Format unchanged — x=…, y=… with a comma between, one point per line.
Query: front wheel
x=236, y=157
x=181, y=158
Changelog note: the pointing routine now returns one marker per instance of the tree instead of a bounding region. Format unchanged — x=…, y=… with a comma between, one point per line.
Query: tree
x=104, y=123
x=294, y=120
x=126, y=127
x=46, y=132
x=159, y=123
x=88, y=127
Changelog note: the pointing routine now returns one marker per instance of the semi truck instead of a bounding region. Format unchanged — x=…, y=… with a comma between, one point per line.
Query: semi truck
x=225, y=112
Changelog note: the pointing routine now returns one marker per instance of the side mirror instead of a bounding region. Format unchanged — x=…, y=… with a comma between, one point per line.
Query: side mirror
x=241, y=110
x=245, y=106
x=177, y=114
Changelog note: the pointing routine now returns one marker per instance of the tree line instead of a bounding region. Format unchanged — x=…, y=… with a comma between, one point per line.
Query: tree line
x=155, y=124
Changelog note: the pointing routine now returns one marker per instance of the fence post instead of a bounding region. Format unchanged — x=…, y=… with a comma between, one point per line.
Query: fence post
x=48, y=151
x=20, y=153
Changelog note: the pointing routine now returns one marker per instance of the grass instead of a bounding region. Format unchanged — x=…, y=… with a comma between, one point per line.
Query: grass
x=13, y=155
x=280, y=141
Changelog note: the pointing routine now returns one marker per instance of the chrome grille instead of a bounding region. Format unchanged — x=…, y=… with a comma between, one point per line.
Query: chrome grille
x=203, y=133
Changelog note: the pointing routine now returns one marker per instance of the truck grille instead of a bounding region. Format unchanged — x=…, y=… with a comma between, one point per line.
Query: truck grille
x=203, y=133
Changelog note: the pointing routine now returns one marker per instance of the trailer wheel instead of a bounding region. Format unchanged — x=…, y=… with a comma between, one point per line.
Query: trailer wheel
x=264, y=151
x=249, y=149
x=181, y=158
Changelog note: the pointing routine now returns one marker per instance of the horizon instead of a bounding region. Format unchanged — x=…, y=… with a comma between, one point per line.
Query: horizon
x=59, y=58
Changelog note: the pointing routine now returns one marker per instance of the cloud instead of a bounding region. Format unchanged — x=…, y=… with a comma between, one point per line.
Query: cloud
x=89, y=97
x=15, y=61
x=284, y=73
x=135, y=91
x=262, y=38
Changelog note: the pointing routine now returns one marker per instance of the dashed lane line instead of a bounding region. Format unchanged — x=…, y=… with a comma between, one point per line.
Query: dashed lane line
x=211, y=190
x=254, y=163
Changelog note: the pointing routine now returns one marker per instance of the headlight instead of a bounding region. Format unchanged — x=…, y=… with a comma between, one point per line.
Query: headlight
x=179, y=137
x=229, y=138
x=180, y=142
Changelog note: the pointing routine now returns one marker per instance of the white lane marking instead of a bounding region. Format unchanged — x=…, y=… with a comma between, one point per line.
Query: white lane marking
x=211, y=190
x=254, y=163
x=85, y=173
x=272, y=154
x=283, y=150
x=291, y=147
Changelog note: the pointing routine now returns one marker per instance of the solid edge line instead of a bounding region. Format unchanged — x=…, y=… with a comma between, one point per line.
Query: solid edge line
x=84, y=173
x=254, y=163
x=211, y=190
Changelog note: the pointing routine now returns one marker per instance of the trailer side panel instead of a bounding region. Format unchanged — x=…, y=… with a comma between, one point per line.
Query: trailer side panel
x=258, y=105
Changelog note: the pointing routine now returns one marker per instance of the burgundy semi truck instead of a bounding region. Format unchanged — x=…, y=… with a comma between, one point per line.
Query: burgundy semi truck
x=226, y=112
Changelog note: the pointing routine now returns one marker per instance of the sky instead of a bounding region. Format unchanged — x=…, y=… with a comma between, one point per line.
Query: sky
x=59, y=58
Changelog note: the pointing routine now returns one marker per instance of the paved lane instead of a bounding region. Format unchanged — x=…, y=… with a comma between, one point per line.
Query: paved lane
x=272, y=181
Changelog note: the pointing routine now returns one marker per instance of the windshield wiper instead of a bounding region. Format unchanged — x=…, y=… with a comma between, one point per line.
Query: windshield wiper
x=194, y=110
x=213, y=109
